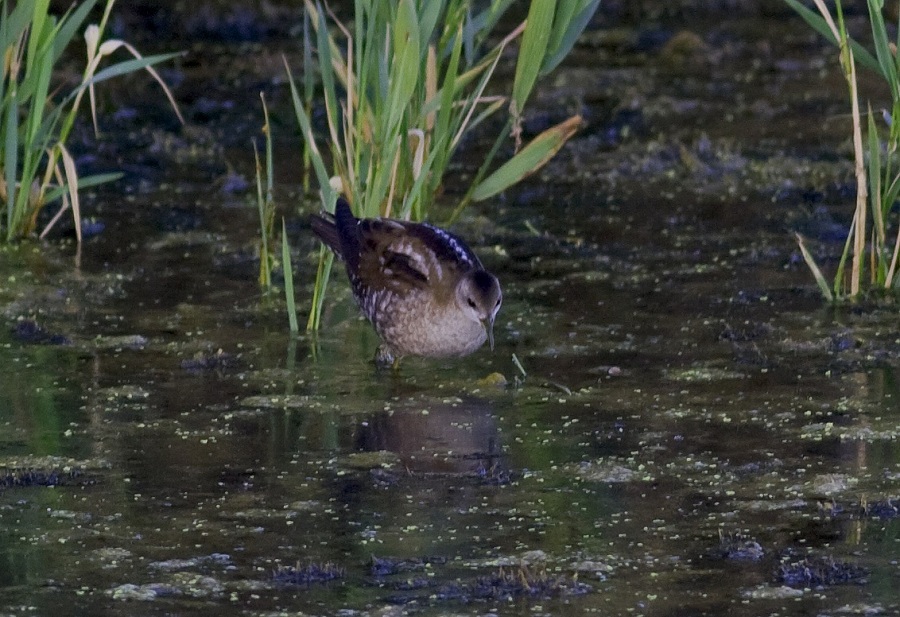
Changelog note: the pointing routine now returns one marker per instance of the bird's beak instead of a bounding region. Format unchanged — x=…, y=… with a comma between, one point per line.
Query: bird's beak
x=490, y=331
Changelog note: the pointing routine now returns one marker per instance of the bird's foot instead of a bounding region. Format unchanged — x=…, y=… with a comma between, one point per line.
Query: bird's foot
x=384, y=358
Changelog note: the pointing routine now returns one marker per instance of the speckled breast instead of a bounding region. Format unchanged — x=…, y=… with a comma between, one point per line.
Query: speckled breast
x=414, y=325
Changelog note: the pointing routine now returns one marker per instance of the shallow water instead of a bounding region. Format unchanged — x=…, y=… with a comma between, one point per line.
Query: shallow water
x=695, y=432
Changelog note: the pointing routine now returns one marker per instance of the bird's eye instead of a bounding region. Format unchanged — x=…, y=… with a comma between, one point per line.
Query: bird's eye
x=497, y=303
x=471, y=302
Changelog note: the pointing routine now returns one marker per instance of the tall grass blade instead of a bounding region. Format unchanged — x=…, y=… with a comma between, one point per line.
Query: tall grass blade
x=428, y=19
x=124, y=68
x=886, y=60
x=566, y=32
x=11, y=162
x=308, y=85
x=892, y=269
x=484, y=22
x=37, y=38
x=404, y=73
x=326, y=260
x=69, y=25
x=840, y=271
x=71, y=181
x=531, y=52
x=265, y=261
x=874, y=174
x=326, y=75
x=814, y=268
x=482, y=171
x=289, y=297
x=84, y=182
x=859, y=241
x=16, y=23
x=448, y=88
x=306, y=129
x=265, y=194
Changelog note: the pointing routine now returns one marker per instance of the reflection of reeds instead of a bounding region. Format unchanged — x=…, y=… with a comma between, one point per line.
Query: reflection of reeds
x=36, y=167
x=876, y=167
x=406, y=82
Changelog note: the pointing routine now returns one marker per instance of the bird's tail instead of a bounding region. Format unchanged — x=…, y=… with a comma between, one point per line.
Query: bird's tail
x=347, y=227
x=325, y=229
x=339, y=232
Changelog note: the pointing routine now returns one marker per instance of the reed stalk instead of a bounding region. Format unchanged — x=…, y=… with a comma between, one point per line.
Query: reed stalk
x=869, y=254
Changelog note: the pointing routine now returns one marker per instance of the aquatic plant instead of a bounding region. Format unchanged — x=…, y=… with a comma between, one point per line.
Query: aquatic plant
x=877, y=162
x=265, y=205
x=37, y=115
x=414, y=76
x=265, y=202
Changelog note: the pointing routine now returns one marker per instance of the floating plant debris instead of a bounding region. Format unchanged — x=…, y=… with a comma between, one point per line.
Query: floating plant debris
x=738, y=547
x=309, y=574
x=209, y=362
x=516, y=583
x=812, y=572
x=494, y=475
x=18, y=478
x=386, y=566
x=29, y=331
x=505, y=584
x=889, y=508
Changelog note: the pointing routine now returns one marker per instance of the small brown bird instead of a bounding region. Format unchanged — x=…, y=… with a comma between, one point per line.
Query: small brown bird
x=423, y=289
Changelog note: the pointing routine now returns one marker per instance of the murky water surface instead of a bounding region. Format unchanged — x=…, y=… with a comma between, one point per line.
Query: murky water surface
x=694, y=434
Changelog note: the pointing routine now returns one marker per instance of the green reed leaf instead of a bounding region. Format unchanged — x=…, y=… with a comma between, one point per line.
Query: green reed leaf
x=886, y=60
x=70, y=24
x=404, y=71
x=571, y=20
x=290, y=298
x=306, y=130
x=874, y=174
x=531, y=158
x=83, y=183
x=11, y=162
x=814, y=268
x=818, y=24
x=532, y=51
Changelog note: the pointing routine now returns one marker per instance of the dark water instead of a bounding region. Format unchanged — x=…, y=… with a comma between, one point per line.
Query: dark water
x=695, y=434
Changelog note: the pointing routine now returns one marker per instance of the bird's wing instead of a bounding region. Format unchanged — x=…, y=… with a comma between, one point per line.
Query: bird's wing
x=389, y=257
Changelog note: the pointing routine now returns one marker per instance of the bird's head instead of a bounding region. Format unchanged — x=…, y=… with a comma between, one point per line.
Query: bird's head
x=479, y=297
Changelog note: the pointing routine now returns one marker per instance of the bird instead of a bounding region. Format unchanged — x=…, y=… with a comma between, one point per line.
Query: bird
x=422, y=288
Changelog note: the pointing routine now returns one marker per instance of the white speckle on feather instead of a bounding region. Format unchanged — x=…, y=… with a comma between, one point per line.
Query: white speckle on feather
x=458, y=249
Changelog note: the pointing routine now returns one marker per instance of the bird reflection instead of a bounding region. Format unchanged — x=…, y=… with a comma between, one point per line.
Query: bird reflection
x=458, y=437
